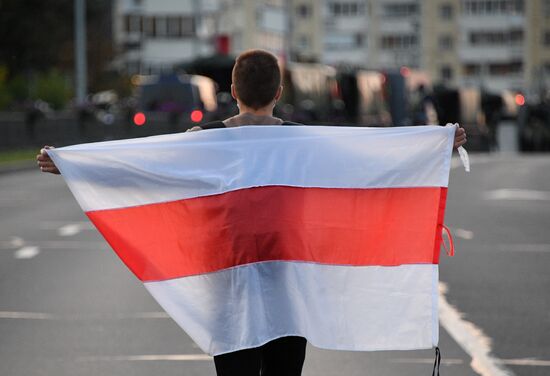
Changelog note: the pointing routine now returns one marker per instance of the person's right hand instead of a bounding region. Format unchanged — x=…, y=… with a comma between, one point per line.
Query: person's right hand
x=45, y=162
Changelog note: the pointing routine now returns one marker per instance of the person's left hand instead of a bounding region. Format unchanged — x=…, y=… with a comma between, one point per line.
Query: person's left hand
x=460, y=137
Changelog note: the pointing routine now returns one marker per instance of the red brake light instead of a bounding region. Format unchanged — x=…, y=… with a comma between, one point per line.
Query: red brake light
x=196, y=116
x=520, y=100
x=139, y=119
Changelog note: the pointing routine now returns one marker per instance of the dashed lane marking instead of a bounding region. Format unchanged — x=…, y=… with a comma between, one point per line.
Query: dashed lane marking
x=69, y=230
x=527, y=362
x=26, y=252
x=90, y=316
x=176, y=357
x=512, y=248
x=74, y=228
x=60, y=245
x=26, y=315
x=463, y=234
x=517, y=195
x=457, y=361
x=444, y=361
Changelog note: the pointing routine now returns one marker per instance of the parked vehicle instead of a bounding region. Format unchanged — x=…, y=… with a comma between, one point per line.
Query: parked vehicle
x=309, y=92
x=182, y=100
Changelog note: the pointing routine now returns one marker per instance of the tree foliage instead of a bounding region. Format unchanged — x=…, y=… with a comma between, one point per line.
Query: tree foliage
x=37, y=43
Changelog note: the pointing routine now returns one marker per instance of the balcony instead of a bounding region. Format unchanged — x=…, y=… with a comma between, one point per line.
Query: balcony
x=493, y=53
x=491, y=22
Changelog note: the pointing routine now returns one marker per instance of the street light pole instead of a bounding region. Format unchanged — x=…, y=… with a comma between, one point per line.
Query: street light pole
x=80, y=50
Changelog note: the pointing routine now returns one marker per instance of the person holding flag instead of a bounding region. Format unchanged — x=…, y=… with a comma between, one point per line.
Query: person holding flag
x=256, y=87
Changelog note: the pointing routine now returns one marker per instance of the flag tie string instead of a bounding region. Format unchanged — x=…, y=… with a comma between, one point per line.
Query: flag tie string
x=449, y=249
x=437, y=362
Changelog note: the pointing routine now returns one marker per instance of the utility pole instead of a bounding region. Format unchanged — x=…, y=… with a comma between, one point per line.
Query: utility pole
x=80, y=51
x=197, y=18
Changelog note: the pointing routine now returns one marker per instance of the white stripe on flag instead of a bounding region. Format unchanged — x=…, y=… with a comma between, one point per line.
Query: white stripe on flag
x=334, y=307
x=135, y=172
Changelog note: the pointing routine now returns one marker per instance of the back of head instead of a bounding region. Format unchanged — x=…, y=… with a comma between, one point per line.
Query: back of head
x=256, y=77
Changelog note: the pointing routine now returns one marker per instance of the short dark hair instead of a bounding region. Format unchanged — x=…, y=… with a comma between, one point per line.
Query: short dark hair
x=256, y=77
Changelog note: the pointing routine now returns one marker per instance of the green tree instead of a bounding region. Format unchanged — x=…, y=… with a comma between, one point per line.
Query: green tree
x=38, y=35
x=53, y=88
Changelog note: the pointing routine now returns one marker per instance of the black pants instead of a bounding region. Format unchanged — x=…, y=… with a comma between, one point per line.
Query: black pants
x=280, y=357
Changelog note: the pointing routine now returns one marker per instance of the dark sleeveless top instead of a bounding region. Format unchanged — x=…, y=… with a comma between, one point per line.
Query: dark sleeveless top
x=220, y=124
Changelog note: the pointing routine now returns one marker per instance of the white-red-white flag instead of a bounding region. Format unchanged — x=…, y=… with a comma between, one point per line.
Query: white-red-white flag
x=248, y=234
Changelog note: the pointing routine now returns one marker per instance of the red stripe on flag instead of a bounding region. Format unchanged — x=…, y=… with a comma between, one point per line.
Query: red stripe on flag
x=385, y=227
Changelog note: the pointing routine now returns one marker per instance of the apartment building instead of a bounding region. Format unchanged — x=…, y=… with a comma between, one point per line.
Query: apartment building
x=344, y=32
x=151, y=36
x=394, y=34
x=497, y=44
x=306, y=30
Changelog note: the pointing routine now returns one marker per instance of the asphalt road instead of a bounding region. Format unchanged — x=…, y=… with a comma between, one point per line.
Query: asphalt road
x=68, y=306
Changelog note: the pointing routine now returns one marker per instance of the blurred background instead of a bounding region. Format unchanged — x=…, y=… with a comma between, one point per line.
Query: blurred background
x=74, y=71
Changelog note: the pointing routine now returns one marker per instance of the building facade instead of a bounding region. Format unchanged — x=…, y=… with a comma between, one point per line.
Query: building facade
x=496, y=44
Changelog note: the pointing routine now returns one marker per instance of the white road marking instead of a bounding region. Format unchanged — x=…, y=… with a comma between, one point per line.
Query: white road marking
x=177, y=357
x=69, y=230
x=471, y=338
x=26, y=252
x=527, y=362
x=444, y=361
x=517, y=195
x=463, y=234
x=77, y=317
x=522, y=248
x=73, y=245
x=26, y=315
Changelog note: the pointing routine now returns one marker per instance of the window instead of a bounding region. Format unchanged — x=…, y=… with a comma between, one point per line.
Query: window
x=149, y=27
x=446, y=42
x=342, y=41
x=546, y=38
x=503, y=69
x=446, y=11
x=487, y=38
x=400, y=10
x=446, y=72
x=187, y=26
x=303, y=42
x=546, y=8
x=303, y=11
x=492, y=7
x=161, y=26
x=346, y=9
x=132, y=23
x=360, y=40
x=472, y=70
x=168, y=27
x=174, y=27
x=405, y=41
